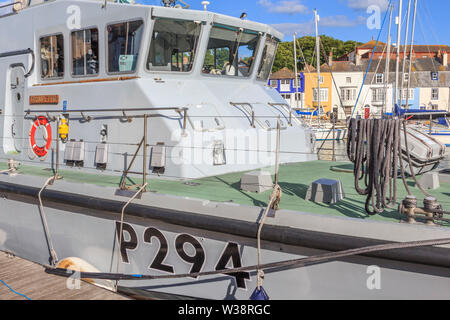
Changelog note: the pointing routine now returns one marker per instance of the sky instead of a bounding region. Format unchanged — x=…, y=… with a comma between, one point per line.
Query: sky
x=341, y=19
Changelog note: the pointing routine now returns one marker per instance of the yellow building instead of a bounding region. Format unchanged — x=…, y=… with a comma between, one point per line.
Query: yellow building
x=311, y=97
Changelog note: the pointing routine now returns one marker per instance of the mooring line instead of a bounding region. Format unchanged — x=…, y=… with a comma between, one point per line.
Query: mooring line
x=45, y=224
x=122, y=216
x=294, y=264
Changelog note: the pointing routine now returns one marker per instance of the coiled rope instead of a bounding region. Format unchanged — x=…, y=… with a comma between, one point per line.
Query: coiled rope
x=374, y=147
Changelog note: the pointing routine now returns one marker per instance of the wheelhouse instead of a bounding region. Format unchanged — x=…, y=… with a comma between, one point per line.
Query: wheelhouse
x=153, y=40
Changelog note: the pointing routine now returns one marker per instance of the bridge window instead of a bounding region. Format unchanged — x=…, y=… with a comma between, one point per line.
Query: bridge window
x=85, y=52
x=231, y=51
x=268, y=57
x=124, y=42
x=52, y=57
x=174, y=45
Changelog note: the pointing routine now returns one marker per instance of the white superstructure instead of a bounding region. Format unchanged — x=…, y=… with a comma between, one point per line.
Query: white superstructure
x=103, y=68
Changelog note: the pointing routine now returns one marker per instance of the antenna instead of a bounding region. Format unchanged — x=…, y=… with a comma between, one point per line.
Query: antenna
x=205, y=5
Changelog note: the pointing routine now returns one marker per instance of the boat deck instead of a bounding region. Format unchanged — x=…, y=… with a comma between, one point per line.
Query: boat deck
x=294, y=180
x=29, y=280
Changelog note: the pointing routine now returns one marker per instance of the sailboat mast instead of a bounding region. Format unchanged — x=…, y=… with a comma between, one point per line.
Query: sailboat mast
x=404, y=53
x=316, y=19
x=388, y=59
x=399, y=30
x=295, y=70
x=411, y=50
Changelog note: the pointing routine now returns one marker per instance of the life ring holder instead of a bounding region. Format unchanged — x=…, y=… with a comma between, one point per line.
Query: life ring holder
x=39, y=151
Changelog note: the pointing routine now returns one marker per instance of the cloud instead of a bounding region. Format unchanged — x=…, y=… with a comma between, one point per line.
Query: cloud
x=364, y=4
x=286, y=6
x=308, y=28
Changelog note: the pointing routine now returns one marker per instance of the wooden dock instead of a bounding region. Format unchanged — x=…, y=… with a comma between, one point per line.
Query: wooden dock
x=30, y=279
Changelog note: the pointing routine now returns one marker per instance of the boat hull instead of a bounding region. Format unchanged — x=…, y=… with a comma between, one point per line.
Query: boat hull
x=327, y=135
x=86, y=227
x=443, y=137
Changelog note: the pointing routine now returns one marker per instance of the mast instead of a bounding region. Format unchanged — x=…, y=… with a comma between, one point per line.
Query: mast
x=295, y=70
x=411, y=50
x=318, y=61
x=404, y=53
x=399, y=30
x=388, y=60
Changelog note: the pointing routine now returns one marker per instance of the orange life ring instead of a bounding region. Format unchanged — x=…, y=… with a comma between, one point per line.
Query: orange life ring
x=41, y=151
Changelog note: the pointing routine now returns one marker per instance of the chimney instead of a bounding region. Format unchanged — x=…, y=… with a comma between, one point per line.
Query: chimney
x=357, y=59
x=445, y=59
x=330, y=58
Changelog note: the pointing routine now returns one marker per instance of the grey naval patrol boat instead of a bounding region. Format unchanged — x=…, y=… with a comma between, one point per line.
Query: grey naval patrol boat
x=139, y=148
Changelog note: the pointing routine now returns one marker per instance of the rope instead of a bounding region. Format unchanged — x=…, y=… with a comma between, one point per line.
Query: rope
x=274, y=202
x=294, y=264
x=375, y=149
x=13, y=291
x=50, y=180
x=122, y=221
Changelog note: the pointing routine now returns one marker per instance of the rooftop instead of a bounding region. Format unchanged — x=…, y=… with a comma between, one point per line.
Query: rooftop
x=284, y=73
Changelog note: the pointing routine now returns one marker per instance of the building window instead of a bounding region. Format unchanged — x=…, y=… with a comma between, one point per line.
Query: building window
x=349, y=80
x=285, y=81
x=435, y=94
x=174, y=45
x=323, y=95
x=379, y=78
x=286, y=97
x=378, y=95
x=434, y=76
x=124, y=42
x=274, y=83
x=299, y=96
x=348, y=94
x=406, y=77
x=296, y=84
x=85, y=52
x=404, y=94
x=321, y=79
x=52, y=57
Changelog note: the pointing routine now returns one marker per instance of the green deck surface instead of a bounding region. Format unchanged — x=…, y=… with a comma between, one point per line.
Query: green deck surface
x=294, y=180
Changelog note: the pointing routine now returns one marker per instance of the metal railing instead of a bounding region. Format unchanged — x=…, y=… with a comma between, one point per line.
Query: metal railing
x=18, y=53
x=128, y=118
x=10, y=5
x=252, y=115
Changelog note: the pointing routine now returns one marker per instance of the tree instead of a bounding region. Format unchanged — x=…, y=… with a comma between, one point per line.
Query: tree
x=307, y=45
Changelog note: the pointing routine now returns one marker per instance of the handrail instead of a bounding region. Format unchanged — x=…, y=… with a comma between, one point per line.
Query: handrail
x=18, y=53
x=123, y=111
x=289, y=109
x=253, y=117
x=10, y=5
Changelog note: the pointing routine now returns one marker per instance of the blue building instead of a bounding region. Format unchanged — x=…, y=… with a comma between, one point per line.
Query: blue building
x=284, y=82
